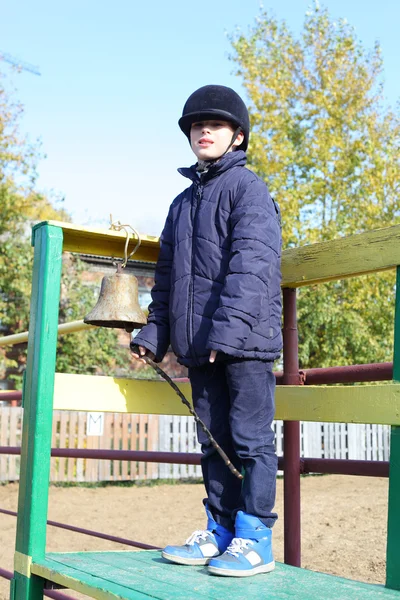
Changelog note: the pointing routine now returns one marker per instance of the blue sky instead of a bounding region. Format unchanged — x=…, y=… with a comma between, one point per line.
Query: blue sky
x=114, y=78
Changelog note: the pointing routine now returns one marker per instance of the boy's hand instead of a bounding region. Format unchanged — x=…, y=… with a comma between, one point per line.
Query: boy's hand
x=213, y=355
x=142, y=352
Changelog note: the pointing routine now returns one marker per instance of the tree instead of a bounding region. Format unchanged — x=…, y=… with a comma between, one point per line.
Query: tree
x=95, y=351
x=328, y=149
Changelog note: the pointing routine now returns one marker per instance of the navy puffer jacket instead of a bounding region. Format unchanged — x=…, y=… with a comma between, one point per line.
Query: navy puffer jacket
x=217, y=279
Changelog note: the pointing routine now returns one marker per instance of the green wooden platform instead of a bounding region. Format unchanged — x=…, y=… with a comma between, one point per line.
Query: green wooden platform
x=141, y=575
x=145, y=574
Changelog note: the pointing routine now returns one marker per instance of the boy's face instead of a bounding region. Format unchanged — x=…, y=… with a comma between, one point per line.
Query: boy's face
x=210, y=139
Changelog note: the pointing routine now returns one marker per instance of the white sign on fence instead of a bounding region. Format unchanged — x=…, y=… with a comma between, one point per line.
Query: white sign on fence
x=95, y=423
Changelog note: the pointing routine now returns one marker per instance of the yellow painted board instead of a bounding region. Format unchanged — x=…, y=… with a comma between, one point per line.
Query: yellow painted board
x=22, y=564
x=108, y=394
x=359, y=254
x=73, y=583
x=104, y=242
x=343, y=404
x=353, y=255
x=340, y=404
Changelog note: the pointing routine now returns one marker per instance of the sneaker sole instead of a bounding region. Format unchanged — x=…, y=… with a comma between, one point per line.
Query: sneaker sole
x=244, y=573
x=181, y=560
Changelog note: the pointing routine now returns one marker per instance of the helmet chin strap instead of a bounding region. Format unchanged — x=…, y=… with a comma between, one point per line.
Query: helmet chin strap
x=234, y=137
x=204, y=165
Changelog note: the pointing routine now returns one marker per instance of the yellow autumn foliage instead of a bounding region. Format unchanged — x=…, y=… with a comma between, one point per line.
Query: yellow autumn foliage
x=328, y=148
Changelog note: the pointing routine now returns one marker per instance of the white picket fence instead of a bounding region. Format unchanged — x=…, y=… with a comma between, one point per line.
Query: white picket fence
x=169, y=434
x=318, y=440
x=178, y=434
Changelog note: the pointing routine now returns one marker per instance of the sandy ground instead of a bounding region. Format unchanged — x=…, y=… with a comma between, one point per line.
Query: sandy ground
x=343, y=521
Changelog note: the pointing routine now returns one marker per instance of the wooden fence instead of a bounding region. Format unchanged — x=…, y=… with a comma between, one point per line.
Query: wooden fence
x=10, y=435
x=169, y=434
x=120, y=432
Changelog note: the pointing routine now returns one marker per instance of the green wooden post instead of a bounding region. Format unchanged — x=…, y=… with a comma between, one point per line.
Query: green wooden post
x=393, y=537
x=38, y=411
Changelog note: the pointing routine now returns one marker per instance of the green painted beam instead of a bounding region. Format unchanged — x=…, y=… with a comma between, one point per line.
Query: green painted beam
x=38, y=403
x=396, y=351
x=144, y=574
x=393, y=537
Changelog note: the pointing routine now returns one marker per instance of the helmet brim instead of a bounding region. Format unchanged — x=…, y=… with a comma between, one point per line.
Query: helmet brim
x=211, y=114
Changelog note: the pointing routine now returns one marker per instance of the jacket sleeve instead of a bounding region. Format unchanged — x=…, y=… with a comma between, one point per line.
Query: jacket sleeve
x=155, y=335
x=254, y=255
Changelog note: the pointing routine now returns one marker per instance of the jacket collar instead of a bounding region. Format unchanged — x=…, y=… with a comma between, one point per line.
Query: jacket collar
x=232, y=159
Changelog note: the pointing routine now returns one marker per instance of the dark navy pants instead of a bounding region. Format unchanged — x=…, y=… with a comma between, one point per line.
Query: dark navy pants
x=235, y=399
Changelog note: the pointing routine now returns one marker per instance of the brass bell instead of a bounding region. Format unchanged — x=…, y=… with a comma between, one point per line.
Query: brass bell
x=118, y=303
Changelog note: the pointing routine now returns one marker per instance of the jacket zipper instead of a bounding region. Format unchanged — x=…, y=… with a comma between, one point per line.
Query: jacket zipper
x=190, y=318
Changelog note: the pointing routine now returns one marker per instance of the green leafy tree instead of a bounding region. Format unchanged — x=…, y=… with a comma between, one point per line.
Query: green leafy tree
x=328, y=149
x=95, y=351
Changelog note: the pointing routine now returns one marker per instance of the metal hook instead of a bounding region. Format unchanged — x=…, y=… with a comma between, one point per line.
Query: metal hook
x=118, y=226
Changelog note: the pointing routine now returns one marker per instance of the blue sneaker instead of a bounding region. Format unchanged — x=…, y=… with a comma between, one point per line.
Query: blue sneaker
x=201, y=546
x=250, y=551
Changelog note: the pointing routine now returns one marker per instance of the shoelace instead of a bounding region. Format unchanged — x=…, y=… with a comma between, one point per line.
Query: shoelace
x=196, y=536
x=237, y=546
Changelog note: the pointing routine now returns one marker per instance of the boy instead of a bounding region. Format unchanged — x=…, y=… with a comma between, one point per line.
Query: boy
x=217, y=300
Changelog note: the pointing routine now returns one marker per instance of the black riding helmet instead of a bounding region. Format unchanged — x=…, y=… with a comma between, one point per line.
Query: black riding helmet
x=212, y=102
